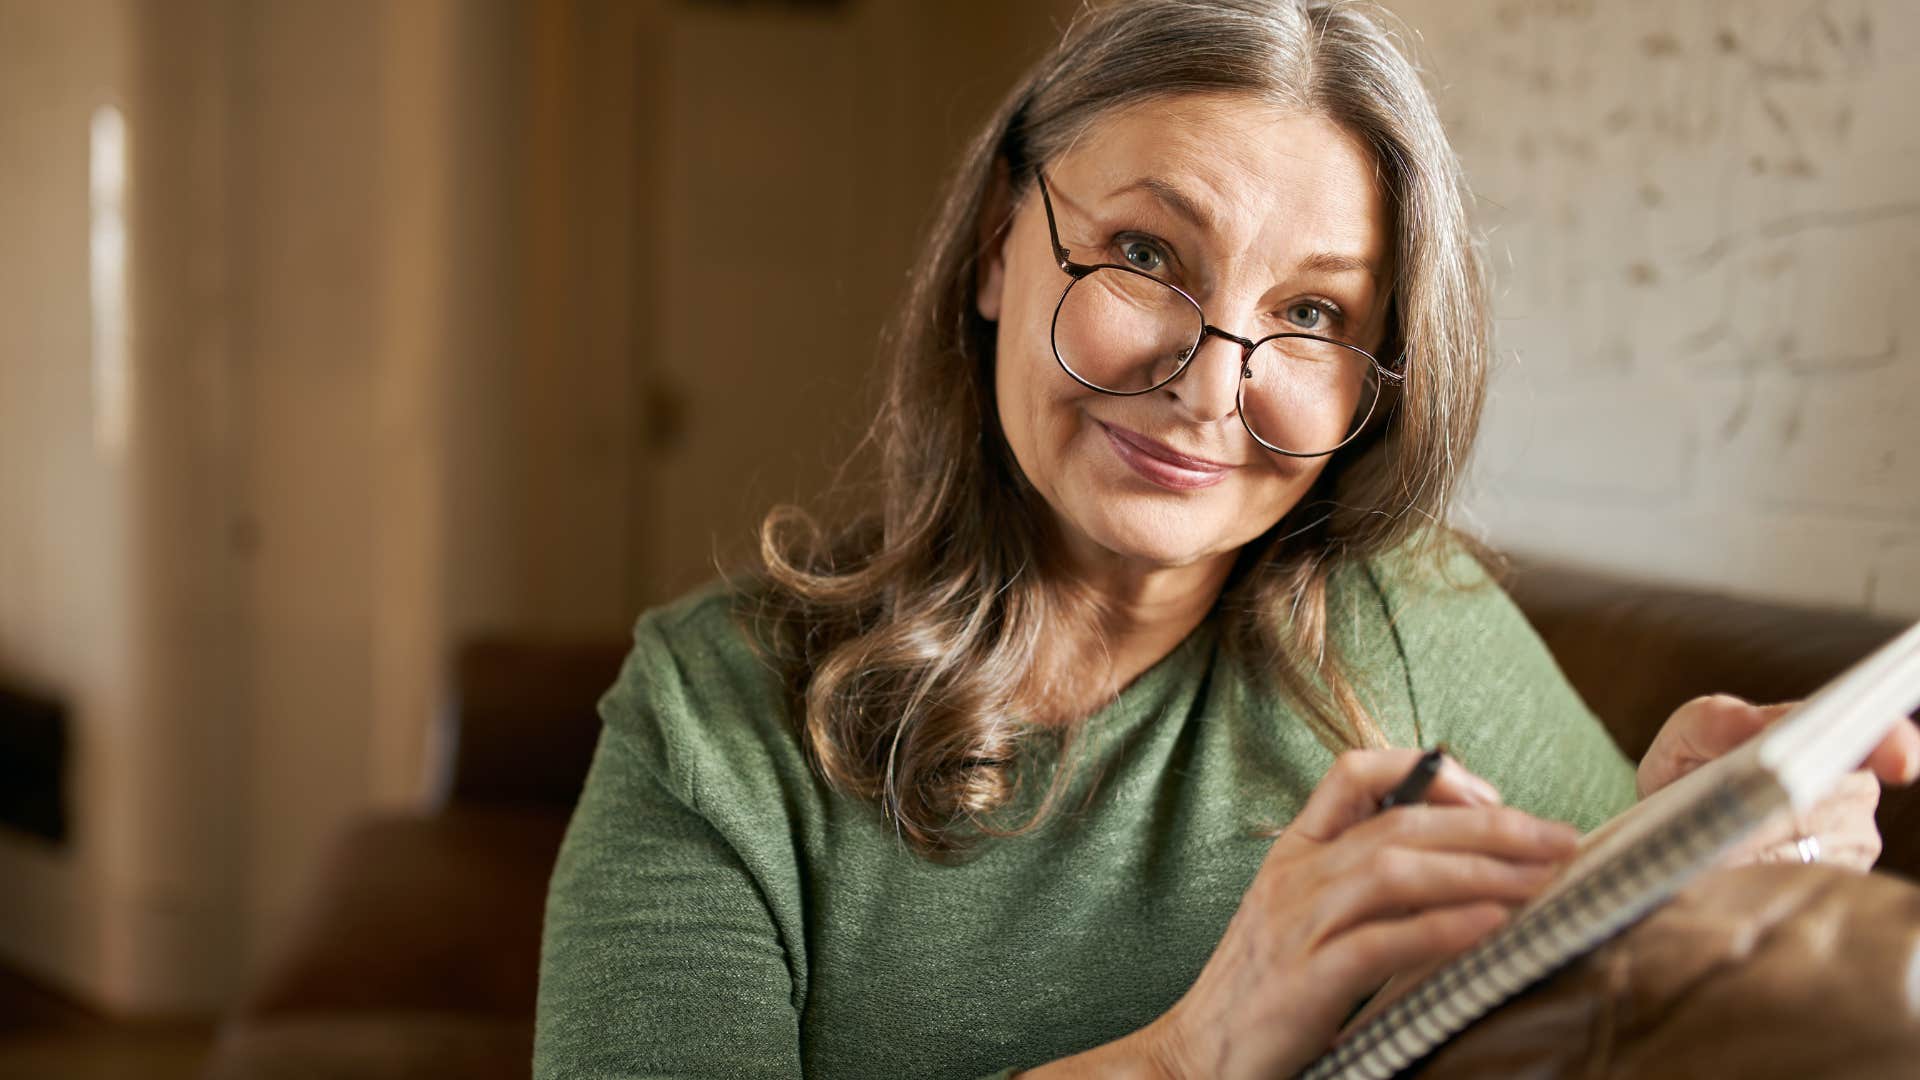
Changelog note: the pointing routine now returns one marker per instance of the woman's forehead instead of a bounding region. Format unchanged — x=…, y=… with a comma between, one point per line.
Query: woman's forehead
x=1239, y=168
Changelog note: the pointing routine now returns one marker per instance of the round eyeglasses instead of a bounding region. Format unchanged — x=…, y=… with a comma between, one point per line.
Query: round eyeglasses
x=1120, y=330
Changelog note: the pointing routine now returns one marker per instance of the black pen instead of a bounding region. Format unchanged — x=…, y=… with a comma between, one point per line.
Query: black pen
x=1414, y=787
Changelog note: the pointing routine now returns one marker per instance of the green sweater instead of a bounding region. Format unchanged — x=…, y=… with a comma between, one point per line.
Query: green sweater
x=717, y=911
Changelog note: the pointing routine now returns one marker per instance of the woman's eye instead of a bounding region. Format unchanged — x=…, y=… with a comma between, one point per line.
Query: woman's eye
x=1306, y=316
x=1142, y=255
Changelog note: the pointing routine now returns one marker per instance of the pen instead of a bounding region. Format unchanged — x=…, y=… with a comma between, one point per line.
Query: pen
x=1414, y=787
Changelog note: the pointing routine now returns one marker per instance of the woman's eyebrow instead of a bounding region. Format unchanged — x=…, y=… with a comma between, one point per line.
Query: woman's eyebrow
x=1172, y=197
x=1328, y=262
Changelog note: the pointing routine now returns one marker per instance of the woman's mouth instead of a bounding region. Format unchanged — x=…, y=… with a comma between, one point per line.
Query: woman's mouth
x=1160, y=463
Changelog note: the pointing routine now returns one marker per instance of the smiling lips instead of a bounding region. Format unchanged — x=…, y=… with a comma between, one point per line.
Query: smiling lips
x=1162, y=464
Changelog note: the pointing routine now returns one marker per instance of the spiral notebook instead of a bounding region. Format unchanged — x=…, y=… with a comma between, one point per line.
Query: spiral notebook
x=1637, y=861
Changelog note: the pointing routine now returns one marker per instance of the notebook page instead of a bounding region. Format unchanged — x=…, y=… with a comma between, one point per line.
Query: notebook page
x=1633, y=824
x=1834, y=731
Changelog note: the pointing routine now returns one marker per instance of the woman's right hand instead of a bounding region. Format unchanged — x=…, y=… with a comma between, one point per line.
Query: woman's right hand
x=1345, y=898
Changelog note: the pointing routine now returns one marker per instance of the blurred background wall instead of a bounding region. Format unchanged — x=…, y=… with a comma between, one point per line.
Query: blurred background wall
x=435, y=318
x=1705, y=230
x=334, y=333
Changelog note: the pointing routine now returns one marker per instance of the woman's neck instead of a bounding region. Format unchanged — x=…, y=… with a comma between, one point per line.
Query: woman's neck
x=1134, y=615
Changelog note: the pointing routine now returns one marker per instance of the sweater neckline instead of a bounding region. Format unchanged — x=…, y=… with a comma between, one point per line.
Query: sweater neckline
x=1139, y=700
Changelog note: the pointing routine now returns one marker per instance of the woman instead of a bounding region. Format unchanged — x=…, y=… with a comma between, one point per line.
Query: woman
x=989, y=778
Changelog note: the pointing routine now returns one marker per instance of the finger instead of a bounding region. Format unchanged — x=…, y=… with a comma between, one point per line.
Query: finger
x=1842, y=823
x=1851, y=848
x=1400, y=880
x=1855, y=848
x=1351, y=791
x=1698, y=732
x=1848, y=807
x=1857, y=795
x=1366, y=956
x=1500, y=831
x=1853, y=842
x=1720, y=722
x=1897, y=759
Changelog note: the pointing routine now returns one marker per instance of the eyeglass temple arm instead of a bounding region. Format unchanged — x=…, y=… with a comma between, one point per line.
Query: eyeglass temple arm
x=1060, y=254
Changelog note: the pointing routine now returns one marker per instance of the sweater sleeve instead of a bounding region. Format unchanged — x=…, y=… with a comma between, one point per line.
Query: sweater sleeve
x=660, y=956
x=1483, y=682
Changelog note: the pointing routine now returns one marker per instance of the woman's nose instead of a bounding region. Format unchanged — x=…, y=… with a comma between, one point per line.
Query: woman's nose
x=1209, y=388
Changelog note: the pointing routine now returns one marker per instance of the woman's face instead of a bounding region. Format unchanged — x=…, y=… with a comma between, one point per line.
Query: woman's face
x=1274, y=222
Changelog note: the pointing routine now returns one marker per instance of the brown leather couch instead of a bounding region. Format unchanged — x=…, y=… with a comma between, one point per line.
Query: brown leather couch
x=418, y=952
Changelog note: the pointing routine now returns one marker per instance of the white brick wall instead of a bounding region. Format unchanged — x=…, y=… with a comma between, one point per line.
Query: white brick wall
x=1705, y=224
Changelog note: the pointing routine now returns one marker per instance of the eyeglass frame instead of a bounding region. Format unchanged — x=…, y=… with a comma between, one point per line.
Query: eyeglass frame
x=1076, y=272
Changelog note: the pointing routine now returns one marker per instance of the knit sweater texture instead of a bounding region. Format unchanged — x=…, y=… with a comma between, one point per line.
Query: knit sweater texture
x=717, y=911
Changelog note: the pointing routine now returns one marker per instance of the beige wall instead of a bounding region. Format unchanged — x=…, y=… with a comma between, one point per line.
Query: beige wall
x=781, y=247
x=66, y=608
x=1706, y=237
x=249, y=606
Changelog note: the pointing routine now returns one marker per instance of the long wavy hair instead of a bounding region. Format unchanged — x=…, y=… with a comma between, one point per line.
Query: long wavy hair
x=913, y=631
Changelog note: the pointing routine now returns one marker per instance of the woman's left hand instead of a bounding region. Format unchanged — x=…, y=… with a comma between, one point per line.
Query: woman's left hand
x=1841, y=824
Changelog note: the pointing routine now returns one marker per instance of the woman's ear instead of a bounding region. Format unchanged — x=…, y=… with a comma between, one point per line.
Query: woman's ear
x=993, y=224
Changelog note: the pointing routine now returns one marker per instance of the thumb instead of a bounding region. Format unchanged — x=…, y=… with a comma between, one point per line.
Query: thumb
x=1714, y=725
x=1698, y=732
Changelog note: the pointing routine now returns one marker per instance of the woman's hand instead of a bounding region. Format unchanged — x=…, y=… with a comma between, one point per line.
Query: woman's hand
x=1345, y=898
x=1842, y=823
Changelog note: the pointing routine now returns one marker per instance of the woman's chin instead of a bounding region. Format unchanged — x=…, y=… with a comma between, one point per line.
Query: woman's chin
x=1159, y=544
x=1158, y=528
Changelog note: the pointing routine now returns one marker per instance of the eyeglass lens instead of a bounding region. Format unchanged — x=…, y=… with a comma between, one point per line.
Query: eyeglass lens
x=1127, y=333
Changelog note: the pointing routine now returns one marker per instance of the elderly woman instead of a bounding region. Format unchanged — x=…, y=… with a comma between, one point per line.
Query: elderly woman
x=990, y=776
